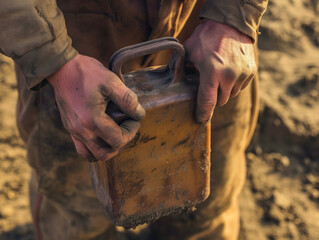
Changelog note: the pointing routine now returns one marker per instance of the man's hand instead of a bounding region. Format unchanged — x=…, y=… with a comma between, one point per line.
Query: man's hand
x=226, y=62
x=82, y=89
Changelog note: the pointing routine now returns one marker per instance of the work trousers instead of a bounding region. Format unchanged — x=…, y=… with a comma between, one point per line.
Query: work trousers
x=63, y=202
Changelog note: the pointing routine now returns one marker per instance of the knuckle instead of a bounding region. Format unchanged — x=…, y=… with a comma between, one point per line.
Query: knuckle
x=229, y=73
x=130, y=99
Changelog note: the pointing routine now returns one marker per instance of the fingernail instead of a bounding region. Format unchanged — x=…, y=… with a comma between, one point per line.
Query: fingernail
x=201, y=119
x=140, y=112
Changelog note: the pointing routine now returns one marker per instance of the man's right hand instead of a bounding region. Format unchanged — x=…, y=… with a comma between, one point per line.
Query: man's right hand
x=82, y=89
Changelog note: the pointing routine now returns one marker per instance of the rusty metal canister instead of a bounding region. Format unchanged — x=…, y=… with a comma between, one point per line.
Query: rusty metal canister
x=165, y=169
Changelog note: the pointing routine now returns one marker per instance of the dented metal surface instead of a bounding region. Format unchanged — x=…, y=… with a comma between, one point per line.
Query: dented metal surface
x=166, y=168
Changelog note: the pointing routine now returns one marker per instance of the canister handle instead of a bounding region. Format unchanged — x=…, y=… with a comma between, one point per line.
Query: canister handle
x=141, y=49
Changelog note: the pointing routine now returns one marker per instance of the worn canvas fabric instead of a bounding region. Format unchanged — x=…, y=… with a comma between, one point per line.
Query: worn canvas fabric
x=69, y=208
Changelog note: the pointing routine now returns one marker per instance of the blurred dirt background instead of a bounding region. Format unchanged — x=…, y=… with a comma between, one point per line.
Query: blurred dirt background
x=281, y=197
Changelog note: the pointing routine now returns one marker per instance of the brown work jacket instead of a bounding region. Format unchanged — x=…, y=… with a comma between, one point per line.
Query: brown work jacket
x=34, y=32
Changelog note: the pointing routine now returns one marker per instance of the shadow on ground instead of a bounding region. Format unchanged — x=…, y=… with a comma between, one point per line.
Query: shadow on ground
x=21, y=232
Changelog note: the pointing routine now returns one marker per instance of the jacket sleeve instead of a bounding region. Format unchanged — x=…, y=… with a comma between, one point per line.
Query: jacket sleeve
x=244, y=15
x=33, y=34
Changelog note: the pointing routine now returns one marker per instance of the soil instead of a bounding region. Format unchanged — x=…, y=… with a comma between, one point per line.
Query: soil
x=15, y=217
x=281, y=197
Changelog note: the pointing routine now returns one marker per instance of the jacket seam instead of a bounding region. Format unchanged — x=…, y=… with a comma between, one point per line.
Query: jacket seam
x=41, y=15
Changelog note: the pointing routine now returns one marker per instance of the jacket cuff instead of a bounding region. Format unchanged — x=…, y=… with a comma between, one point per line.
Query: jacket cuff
x=34, y=35
x=41, y=62
x=244, y=15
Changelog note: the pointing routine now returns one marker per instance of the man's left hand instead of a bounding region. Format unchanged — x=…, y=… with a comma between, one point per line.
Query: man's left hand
x=225, y=59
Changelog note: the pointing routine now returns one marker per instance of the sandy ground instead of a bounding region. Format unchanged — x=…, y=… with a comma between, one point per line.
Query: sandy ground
x=281, y=197
x=15, y=218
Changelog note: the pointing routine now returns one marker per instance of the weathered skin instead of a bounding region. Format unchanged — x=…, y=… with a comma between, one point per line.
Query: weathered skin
x=224, y=57
x=82, y=88
x=226, y=62
x=69, y=209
